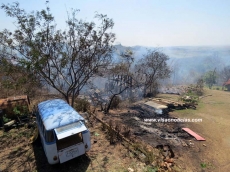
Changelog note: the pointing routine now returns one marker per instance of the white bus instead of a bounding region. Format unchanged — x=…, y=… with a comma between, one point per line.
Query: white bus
x=62, y=130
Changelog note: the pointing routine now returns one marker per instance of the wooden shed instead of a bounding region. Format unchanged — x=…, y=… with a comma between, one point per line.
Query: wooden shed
x=9, y=104
x=227, y=85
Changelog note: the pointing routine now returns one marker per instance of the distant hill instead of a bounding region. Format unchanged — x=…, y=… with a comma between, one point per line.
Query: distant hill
x=189, y=62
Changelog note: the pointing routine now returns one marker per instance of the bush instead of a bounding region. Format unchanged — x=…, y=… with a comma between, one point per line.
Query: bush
x=82, y=105
x=149, y=95
x=5, y=119
x=115, y=102
x=190, y=97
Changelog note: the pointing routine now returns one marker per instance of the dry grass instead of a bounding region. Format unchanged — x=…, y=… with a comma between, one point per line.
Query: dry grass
x=19, y=155
x=214, y=112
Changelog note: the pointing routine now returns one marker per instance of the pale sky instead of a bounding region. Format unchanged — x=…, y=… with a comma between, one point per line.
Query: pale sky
x=147, y=22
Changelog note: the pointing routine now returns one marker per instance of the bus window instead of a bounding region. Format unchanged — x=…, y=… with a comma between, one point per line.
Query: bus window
x=42, y=128
x=49, y=136
x=39, y=120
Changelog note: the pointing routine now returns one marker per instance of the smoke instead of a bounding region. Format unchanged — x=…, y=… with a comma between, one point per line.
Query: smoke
x=158, y=111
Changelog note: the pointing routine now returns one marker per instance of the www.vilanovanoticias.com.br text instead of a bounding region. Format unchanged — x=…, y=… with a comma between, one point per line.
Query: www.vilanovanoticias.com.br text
x=173, y=120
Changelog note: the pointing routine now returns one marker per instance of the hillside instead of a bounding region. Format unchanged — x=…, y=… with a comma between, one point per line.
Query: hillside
x=188, y=63
x=213, y=153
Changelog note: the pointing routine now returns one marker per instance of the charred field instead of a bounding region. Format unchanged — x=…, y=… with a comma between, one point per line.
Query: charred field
x=166, y=141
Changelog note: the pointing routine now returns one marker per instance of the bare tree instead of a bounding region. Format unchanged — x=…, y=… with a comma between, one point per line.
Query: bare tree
x=121, y=77
x=151, y=68
x=65, y=60
x=225, y=74
x=174, y=67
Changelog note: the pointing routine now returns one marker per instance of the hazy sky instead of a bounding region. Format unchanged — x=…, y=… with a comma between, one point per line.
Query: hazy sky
x=147, y=22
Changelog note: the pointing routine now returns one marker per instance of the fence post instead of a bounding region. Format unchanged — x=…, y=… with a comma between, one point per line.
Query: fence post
x=1, y=118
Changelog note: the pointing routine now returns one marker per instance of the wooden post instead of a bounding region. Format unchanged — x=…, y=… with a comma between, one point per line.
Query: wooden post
x=1, y=118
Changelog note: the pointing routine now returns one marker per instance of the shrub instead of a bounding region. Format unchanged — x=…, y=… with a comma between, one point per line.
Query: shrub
x=115, y=102
x=5, y=119
x=190, y=98
x=82, y=105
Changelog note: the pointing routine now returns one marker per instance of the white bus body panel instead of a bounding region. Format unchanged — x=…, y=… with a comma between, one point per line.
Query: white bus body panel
x=51, y=152
x=86, y=139
x=71, y=152
x=50, y=148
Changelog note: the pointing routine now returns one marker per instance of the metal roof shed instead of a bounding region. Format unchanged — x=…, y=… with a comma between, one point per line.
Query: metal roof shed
x=155, y=105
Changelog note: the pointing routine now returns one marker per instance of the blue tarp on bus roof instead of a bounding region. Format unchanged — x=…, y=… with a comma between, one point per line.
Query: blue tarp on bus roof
x=56, y=113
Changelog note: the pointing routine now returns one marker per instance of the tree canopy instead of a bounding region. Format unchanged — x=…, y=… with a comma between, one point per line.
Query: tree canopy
x=63, y=59
x=210, y=78
x=151, y=68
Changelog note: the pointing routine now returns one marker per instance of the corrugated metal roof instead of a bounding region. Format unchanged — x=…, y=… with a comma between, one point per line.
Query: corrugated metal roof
x=227, y=83
x=56, y=113
x=155, y=105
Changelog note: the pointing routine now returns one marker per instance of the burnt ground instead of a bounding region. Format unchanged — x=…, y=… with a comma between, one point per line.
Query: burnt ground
x=154, y=133
x=18, y=155
x=188, y=153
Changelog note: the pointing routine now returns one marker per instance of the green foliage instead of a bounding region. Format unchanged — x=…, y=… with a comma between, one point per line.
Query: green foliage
x=203, y=165
x=20, y=110
x=190, y=98
x=191, y=95
x=16, y=111
x=150, y=169
x=96, y=134
x=152, y=68
x=193, y=92
x=210, y=78
x=5, y=119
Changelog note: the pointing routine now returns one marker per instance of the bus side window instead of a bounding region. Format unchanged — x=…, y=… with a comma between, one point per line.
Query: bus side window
x=37, y=117
x=49, y=136
x=43, y=129
x=40, y=120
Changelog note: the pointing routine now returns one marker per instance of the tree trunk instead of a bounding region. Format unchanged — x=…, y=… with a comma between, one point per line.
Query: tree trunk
x=73, y=97
x=67, y=98
x=110, y=102
x=144, y=91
